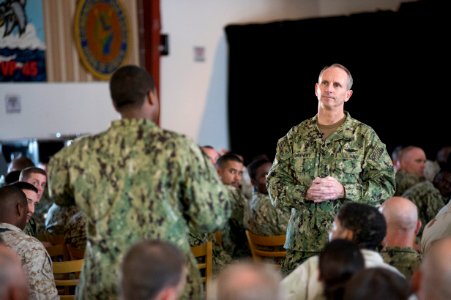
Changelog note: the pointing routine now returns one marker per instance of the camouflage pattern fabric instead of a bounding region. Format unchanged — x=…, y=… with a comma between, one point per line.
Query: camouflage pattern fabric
x=234, y=235
x=75, y=231
x=36, y=262
x=220, y=257
x=137, y=181
x=31, y=228
x=57, y=218
x=404, y=181
x=353, y=154
x=428, y=199
x=262, y=218
x=295, y=258
x=405, y=259
x=40, y=212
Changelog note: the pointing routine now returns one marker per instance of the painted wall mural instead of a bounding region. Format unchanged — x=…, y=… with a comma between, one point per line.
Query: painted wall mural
x=22, y=41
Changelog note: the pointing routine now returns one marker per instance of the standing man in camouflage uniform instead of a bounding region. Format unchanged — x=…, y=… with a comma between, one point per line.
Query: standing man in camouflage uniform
x=136, y=181
x=323, y=161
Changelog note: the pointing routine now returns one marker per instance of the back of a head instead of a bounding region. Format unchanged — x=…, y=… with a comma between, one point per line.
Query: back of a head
x=247, y=281
x=365, y=221
x=13, y=281
x=149, y=267
x=442, y=182
x=20, y=163
x=400, y=213
x=339, y=260
x=436, y=272
x=377, y=283
x=129, y=86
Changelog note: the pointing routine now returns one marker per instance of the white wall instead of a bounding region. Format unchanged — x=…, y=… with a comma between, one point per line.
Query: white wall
x=67, y=108
x=193, y=94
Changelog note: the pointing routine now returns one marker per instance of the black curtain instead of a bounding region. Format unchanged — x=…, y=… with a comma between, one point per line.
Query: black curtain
x=399, y=61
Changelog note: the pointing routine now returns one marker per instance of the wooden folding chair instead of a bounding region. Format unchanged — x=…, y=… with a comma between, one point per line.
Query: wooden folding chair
x=58, y=252
x=204, y=256
x=264, y=248
x=74, y=252
x=67, y=275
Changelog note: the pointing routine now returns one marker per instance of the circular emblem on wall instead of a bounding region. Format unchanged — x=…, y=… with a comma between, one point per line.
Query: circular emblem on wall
x=101, y=35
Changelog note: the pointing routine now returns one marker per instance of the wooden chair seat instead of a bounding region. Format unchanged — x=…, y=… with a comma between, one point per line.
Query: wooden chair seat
x=266, y=247
x=204, y=256
x=66, y=275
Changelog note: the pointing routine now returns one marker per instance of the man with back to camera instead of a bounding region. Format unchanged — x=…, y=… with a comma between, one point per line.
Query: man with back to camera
x=136, y=181
x=321, y=162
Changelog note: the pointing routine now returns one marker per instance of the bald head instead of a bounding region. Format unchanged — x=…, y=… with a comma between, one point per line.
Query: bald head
x=436, y=272
x=400, y=213
x=248, y=281
x=412, y=160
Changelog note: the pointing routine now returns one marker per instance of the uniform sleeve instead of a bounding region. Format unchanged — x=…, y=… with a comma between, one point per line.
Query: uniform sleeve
x=303, y=282
x=284, y=190
x=40, y=273
x=377, y=177
x=58, y=180
x=205, y=198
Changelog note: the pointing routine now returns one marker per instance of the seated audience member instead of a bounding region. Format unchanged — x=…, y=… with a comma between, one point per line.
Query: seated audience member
x=412, y=161
x=38, y=177
x=246, y=280
x=403, y=225
x=75, y=231
x=339, y=260
x=32, y=199
x=261, y=217
x=430, y=197
x=433, y=279
x=35, y=260
x=437, y=229
x=395, y=157
x=377, y=283
x=361, y=223
x=19, y=163
x=57, y=216
x=230, y=170
x=211, y=152
x=153, y=270
x=13, y=281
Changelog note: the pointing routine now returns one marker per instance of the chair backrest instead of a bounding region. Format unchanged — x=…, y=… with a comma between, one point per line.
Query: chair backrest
x=262, y=246
x=58, y=252
x=75, y=253
x=66, y=275
x=204, y=256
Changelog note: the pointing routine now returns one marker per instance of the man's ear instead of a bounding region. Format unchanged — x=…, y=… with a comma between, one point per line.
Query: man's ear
x=152, y=97
x=20, y=209
x=417, y=229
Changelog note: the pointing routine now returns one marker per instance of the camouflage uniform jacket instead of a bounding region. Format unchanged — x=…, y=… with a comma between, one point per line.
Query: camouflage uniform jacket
x=75, y=231
x=57, y=218
x=234, y=235
x=428, y=200
x=404, y=181
x=405, y=259
x=136, y=181
x=36, y=262
x=262, y=218
x=31, y=228
x=353, y=154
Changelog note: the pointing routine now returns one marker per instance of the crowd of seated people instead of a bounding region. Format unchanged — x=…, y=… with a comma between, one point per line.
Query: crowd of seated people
x=397, y=249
